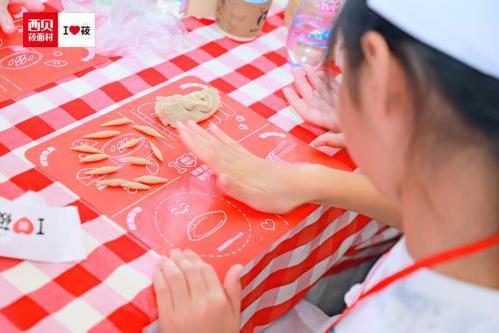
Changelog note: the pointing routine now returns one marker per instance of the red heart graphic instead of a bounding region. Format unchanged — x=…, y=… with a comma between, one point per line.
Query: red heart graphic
x=268, y=224
x=74, y=29
x=23, y=226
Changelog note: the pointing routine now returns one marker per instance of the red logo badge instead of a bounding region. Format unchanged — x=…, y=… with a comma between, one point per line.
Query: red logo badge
x=40, y=29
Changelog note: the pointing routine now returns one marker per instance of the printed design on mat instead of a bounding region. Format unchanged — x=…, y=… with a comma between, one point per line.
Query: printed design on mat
x=90, y=56
x=20, y=60
x=84, y=142
x=182, y=208
x=188, y=85
x=282, y=149
x=183, y=162
x=56, y=63
x=152, y=166
x=210, y=225
x=130, y=218
x=114, y=147
x=86, y=179
x=270, y=134
x=215, y=220
x=243, y=127
x=270, y=224
x=44, y=156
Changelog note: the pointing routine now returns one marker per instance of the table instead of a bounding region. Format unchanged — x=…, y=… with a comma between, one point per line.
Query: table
x=111, y=290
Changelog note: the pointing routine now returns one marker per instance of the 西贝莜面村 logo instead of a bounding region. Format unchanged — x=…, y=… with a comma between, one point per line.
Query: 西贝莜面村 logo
x=40, y=29
x=58, y=29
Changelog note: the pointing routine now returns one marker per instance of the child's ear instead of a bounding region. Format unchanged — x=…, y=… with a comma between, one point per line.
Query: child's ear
x=376, y=65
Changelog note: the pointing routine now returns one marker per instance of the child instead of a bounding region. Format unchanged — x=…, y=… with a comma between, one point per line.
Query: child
x=419, y=108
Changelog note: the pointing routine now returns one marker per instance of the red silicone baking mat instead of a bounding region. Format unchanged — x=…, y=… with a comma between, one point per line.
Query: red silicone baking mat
x=188, y=211
x=24, y=69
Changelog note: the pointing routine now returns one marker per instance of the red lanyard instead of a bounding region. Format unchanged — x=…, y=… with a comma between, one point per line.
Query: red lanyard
x=430, y=261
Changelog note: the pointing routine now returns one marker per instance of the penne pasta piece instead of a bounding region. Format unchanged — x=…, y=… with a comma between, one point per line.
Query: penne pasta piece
x=93, y=158
x=86, y=149
x=151, y=180
x=135, y=160
x=102, y=135
x=148, y=130
x=118, y=122
x=135, y=186
x=112, y=182
x=156, y=152
x=131, y=143
x=103, y=170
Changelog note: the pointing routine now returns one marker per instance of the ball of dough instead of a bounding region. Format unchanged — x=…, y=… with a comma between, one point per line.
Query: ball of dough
x=197, y=106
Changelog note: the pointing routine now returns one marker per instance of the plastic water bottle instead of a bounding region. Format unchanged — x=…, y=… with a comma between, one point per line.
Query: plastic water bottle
x=308, y=37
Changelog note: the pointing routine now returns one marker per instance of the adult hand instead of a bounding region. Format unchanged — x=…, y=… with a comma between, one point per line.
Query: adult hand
x=6, y=21
x=190, y=297
x=261, y=184
x=315, y=98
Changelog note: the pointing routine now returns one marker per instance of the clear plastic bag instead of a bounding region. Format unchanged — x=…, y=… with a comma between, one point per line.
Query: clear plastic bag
x=131, y=27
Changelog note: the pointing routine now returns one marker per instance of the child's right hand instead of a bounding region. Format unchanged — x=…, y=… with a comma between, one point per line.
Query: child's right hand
x=317, y=104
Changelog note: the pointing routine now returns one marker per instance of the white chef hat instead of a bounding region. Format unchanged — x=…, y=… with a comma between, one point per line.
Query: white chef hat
x=465, y=30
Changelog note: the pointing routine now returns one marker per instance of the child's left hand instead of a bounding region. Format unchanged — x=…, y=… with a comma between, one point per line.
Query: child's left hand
x=278, y=190
x=190, y=297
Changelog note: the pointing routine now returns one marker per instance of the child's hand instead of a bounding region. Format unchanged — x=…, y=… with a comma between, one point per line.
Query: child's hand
x=190, y=297
x=261, y=184
x=6, y=22
x=317, y=105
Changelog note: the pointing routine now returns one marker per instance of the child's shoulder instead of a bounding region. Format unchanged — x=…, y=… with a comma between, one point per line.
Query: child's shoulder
x=442, y=301
x=425, y=301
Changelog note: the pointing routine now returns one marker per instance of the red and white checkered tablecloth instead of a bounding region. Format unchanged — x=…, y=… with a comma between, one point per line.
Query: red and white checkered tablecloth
x=111, y=290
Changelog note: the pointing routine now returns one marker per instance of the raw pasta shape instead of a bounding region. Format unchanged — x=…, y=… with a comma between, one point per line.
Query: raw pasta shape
x=156, y=152
x=117, y=122
x=151, y=180
x=102, y=170
x=86, y=149
x=148, y=130
x=135, y=160
x=115, y=182
x=93, y=158
x=135, y=185
x=102, y=135
x=131, y=143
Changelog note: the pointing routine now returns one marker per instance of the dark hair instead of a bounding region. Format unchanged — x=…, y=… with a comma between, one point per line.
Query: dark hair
x=473, y=96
